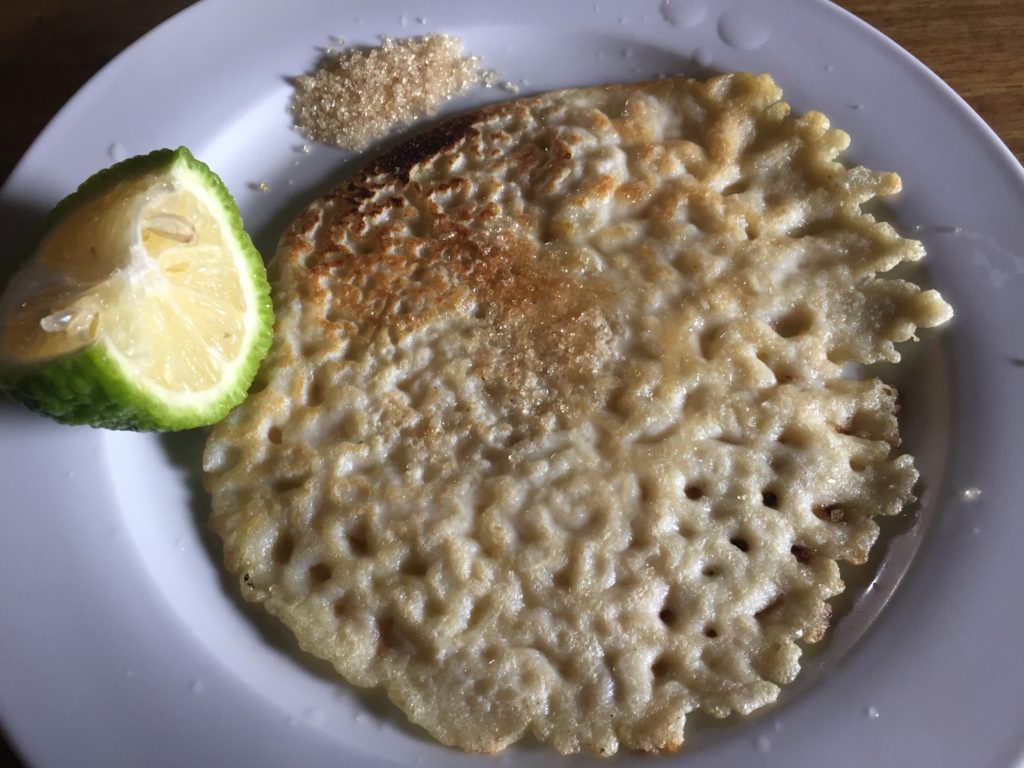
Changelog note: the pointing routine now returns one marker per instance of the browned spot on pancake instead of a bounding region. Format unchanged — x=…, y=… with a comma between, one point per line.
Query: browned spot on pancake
x=400, y=161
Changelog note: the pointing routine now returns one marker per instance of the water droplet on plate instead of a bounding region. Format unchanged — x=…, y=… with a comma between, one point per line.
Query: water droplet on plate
x=763, y=744
x=69, y=474
x=404, y=20
x=117, y=152
x=628, y=53
x=196, y=686
x=872, y=713
x=857, y=106
x=777, y=726
x=703, y=57
x=314, y=716
x=742, y=30
x=829, y=68
x=971, y=494
x=683, y=13
x=421, y=19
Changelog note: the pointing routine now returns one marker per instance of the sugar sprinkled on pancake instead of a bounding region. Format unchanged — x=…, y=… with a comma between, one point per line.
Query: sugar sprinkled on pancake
x=554, y=436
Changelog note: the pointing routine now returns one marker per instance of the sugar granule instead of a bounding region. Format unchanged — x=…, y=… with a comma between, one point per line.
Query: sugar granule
x=358, y=95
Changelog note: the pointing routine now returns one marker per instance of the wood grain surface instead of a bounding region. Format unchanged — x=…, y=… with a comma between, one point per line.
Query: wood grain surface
x=50, y=48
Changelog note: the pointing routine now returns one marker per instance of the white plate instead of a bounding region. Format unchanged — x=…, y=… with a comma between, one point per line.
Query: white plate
x=122, y=643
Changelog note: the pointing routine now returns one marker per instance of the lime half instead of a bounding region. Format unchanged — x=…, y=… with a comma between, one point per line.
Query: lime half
x=145, y=306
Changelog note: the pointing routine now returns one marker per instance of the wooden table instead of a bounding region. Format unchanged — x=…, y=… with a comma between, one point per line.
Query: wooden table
x=49, y=48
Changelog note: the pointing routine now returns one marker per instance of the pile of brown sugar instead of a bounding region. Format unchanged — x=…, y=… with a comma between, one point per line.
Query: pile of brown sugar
x=361, y=94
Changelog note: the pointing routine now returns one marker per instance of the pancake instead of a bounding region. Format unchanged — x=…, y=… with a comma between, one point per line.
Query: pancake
x=554, y=437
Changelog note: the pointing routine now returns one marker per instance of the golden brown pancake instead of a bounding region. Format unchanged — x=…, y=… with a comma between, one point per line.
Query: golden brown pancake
x=554, y=436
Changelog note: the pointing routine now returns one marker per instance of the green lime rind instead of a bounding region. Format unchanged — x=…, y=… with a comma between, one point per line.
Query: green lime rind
x=88, y=386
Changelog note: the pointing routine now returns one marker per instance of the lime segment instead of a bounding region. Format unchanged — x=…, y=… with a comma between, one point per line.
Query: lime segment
x=145, y=305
